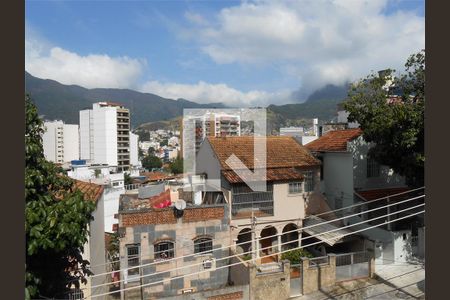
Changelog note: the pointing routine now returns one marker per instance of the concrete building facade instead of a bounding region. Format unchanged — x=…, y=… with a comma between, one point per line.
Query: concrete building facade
x=158, y=235
x=60, y=142
x=105, y=135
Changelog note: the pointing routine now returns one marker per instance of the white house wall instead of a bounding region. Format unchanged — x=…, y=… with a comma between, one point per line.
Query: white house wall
x=95, y=249
x=112, y=196
x=337, y=178
x=387, y=178
x=207, y=163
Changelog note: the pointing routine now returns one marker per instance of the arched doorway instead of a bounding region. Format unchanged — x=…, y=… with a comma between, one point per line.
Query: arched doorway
x=289, y=238
x=244, y=241
x=268, y=243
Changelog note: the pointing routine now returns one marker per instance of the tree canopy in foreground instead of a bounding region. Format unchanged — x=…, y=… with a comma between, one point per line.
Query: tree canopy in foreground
x=394, y=124
x=56, y=220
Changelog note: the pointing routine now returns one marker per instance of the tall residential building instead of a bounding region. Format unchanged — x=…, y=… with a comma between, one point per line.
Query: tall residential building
x=105, y=135
x=60, y=142
x=213, y=124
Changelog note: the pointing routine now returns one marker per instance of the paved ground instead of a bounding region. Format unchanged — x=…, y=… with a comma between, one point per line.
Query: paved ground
x=393, y=281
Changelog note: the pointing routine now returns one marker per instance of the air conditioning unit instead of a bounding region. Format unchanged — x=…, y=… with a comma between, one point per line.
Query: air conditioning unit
x=209, y=264
x=187, y=291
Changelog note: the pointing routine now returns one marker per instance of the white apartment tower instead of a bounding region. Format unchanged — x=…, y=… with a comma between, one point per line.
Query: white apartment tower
x=60, y=142
x=105, y=135
x=134, y=146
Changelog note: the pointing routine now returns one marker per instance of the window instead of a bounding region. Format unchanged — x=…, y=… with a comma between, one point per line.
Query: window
x=295, y=187
x=203, y=245
x=373, y=168
x=309, y=181
x=164, y=250
x=133, y=259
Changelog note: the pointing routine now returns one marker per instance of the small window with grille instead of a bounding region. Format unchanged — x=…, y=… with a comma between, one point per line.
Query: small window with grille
x=133, y=259
x=309, y=181
x=164, y=250
x=203, y=246
x=295, y=187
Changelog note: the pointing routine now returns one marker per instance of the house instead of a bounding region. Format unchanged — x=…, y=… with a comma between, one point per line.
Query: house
x=347, y=168
x=94, y=249
x=104, y=175
x=292, y=177
x=350, y=176
x=159, y=236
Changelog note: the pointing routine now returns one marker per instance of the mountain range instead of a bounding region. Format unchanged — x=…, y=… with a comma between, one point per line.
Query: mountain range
x=63, y=102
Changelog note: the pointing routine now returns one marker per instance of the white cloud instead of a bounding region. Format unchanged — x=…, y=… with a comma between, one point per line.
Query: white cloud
x=195, y=18
x=90, y=71
x=325, y=41
x=203, y=92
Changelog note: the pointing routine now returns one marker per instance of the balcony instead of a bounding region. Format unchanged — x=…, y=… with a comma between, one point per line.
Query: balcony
x=246, y=202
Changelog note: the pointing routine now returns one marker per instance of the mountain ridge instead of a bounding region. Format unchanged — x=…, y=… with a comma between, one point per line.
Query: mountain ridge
x=59, y=101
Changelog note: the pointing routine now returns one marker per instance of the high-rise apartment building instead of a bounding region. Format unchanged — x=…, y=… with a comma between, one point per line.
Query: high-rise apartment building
x=105, y=135
x=60, y=142
x=214, y=124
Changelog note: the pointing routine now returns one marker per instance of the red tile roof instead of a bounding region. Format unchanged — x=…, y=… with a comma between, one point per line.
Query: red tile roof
x=281, y=151
x=276, y=174
x=335, y=140
x=91, y=191
x=370, y=195
x=156, y=176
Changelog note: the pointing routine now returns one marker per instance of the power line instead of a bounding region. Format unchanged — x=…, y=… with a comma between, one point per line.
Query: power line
x=251, y=231
x=218, y=259
x=240, y=254
x=252, y=259
x=273, y=221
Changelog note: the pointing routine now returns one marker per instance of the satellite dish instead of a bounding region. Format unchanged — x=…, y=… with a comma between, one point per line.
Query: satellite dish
x=180, y=204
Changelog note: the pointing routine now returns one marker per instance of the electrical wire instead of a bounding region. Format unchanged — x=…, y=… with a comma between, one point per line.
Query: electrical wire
x=252, y=259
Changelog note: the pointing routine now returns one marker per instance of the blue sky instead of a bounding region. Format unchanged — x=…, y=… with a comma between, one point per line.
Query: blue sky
x=248, y=53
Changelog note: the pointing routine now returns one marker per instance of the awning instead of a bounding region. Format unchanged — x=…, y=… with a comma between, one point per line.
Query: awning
x=321, y=231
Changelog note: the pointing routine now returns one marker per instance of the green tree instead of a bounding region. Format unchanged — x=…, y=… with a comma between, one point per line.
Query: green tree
x=151, y=151
x=149, y=162
x=396, y=127
x=176, y=167
x=127, y=179
x=164, y=142
x=56, y=220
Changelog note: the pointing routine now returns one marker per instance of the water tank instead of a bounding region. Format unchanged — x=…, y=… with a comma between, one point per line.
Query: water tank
x=78, y=162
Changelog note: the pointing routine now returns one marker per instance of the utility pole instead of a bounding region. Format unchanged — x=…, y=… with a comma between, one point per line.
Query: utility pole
x=254, y=240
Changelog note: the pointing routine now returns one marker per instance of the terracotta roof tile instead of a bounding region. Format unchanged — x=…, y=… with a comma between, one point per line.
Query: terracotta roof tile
x=156, y=176
x=335, y=140
x=276, y=174
x=282, y=152
x=91, y=191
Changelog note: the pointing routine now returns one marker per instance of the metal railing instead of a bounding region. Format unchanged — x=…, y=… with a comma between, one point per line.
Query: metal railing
x=353, y=258
x=265, y=207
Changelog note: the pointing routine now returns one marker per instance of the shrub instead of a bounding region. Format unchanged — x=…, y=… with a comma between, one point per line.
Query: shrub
x=294, y=256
